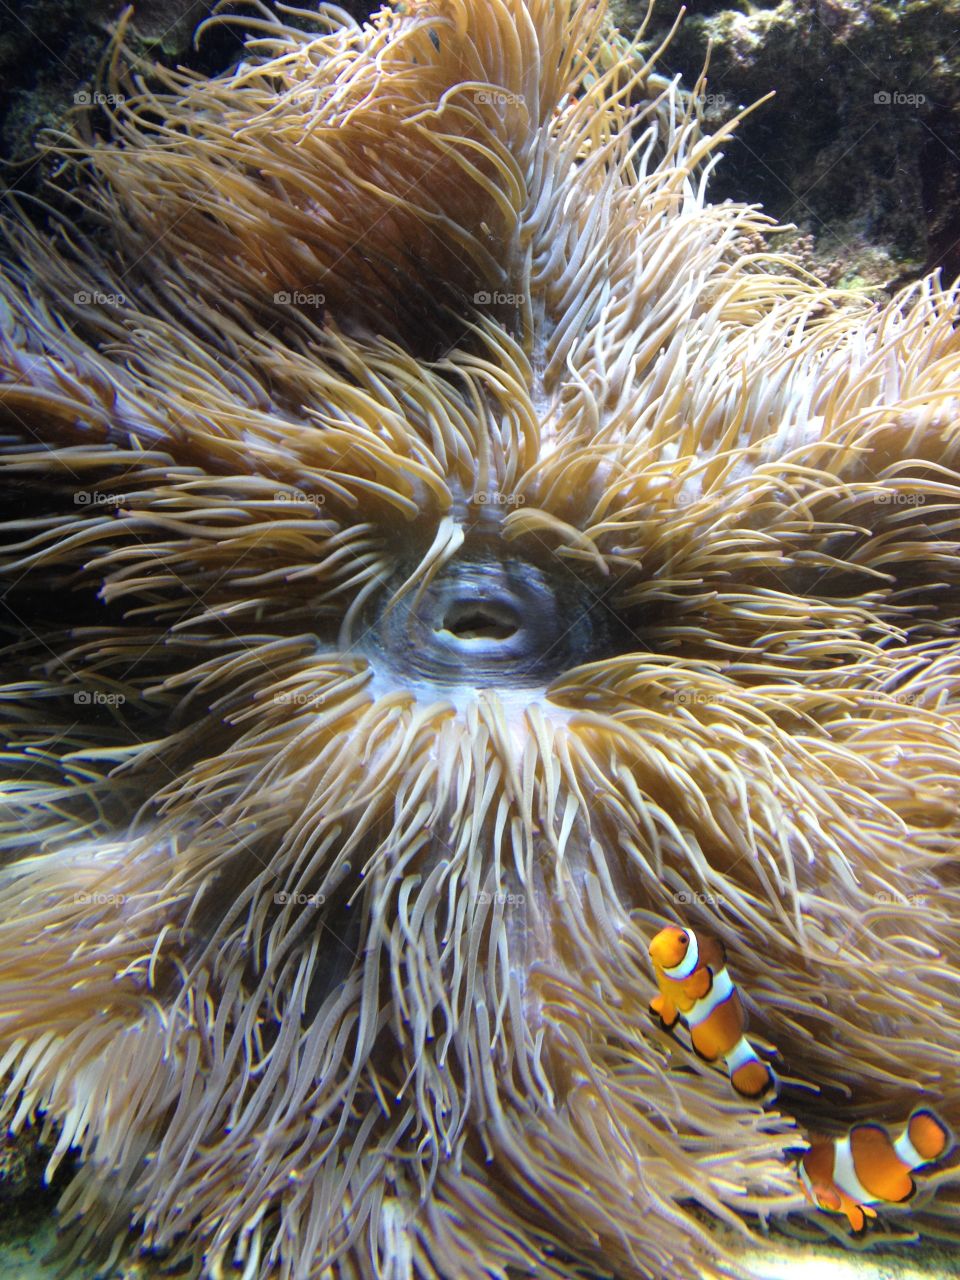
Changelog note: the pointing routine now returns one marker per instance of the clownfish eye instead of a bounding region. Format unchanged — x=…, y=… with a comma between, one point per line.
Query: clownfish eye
x=683, y=939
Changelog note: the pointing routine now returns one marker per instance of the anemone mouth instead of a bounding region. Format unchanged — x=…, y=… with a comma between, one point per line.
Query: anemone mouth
x=489, y=621
x=483, y=621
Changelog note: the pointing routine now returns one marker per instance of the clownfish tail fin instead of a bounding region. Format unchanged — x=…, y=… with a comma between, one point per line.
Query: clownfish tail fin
x=925, y=1138
x=750, y=1075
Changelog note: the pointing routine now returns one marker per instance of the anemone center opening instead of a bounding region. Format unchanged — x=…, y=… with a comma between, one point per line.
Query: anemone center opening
x=473, y=620
x=490, y=620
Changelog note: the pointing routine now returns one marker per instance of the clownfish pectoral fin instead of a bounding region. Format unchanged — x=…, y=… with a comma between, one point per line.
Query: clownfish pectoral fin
x=857, y=1215
x=663, y=1009
x=825, y=1197
x=700, y=984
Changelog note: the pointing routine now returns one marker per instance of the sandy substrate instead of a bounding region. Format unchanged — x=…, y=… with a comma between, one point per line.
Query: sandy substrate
x=23, y=1259
x=796, y=1262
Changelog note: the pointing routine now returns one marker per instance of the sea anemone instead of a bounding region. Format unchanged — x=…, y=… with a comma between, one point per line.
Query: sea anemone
x=441, y=549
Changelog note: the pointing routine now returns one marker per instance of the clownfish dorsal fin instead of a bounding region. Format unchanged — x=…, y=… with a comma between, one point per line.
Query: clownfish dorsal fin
x=712, y=952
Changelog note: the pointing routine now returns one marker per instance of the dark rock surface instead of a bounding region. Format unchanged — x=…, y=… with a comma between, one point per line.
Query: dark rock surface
x=26, y=1204
x=861, y=145
x=50, y=52
x=21, y=1165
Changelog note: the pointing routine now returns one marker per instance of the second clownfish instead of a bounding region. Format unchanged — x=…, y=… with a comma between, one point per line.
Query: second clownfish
x=849, y=1175
x=691, y=971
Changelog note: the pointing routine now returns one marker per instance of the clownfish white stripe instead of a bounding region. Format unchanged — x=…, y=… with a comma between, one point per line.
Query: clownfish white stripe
x=741, y=1053
x=845, y=1174
x=907, y=1152
x=721, y=990
x=690, y=960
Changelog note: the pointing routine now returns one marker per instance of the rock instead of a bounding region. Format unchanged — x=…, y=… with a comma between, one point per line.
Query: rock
x=860, y=144
x=21, y=1165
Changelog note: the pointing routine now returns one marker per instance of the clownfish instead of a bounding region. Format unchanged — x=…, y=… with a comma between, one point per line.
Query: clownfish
x=867, y=1167
x=691, y=970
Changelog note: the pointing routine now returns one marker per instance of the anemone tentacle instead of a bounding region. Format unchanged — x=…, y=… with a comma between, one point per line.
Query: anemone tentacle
x=440, y=548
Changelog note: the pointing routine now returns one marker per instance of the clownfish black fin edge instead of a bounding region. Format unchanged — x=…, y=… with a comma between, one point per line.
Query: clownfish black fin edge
x=910, y=1194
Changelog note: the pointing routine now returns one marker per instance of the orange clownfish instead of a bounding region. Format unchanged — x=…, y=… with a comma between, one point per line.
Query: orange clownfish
x=691, y=971
x=867, y=1167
